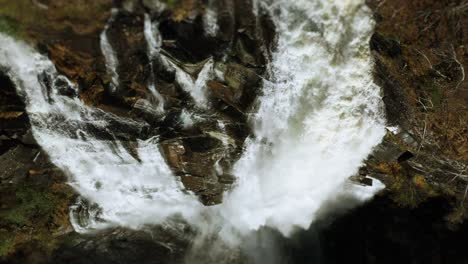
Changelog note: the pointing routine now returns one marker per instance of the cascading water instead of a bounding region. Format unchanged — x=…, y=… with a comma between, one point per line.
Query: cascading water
x=101, y=169
x=196, y=87
x=153, y=40
x=210, y=20
x=318, y=119
x=109, y=54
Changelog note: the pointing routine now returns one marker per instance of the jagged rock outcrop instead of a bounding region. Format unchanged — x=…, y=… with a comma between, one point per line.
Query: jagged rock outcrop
x=191, y=35
x=199, y=142
x=419, y=51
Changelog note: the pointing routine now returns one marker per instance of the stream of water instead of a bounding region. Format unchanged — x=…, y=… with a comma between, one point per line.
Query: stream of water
x=319, y=117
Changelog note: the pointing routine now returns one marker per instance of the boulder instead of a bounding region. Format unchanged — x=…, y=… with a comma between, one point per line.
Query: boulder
x=16, y=163
x=241, y=77
x=229, y=95
x=194, y=159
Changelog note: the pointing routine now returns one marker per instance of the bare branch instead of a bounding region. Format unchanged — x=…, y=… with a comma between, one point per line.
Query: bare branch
x=461, y=67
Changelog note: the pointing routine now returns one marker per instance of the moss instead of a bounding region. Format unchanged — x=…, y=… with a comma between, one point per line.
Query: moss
x=407, y=189
x=434, y=92
x=32, y=204
x=38, y=210
x=172, y=3
x=7, y=243
x=9, y=26
x=23, y=19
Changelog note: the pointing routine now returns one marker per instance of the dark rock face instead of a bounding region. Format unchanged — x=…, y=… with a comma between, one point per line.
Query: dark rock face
x=14, y=121
x=237, y=43
x=419, y=53
x=34, y=198
x=380, y=232
x=199, y=161
x=124, y=246
x=187, y=44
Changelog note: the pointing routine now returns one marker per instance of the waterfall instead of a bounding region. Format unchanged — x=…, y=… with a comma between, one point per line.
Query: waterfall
x=129, y=192
x=109, y=54
x=319, y=117
x=153, y=40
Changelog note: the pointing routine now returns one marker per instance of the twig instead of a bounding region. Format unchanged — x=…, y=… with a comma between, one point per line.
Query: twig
x=423, y=136
x=461, y=67
x=427, y=59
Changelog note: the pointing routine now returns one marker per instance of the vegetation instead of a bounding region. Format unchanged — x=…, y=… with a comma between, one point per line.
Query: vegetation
x=35, y=213
x=408, y=189
x=9, y=26
x=430, y=69
x=24, y=19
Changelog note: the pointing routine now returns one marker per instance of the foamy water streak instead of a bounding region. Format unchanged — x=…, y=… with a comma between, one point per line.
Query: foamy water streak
x=154, y=42
x=210, y=20
x=129, y=192
x=318, y=119
x=109, y=54
x=196, y=87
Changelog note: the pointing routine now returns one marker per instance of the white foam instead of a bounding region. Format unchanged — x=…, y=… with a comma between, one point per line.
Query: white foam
x=196, y=87
x=109, y=54
x=154, y=41
x=319, y=118
x=210, y=22
x=129, y=192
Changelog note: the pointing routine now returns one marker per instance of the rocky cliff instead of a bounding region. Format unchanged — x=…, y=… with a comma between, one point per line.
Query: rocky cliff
x=420, y=59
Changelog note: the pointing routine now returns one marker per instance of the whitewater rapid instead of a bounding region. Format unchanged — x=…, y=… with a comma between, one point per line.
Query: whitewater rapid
x=128, y=191
x=319, y=117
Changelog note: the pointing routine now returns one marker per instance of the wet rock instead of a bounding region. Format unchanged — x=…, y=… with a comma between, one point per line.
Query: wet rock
x=385, y=45
x=195, y=184
x=151, y=245
x=65, y=88
x=191, y=68
x=126, y=36
x=243, y=82
x=226, y=20
x=396, y=105
x=82, y=64
x=191, y=43
x=227, y=178
x=407, y=155
x=16, y=163
x=240, y=77
x=193, y=155
x=194, y=159
x=229, y=95
x=13, y=119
